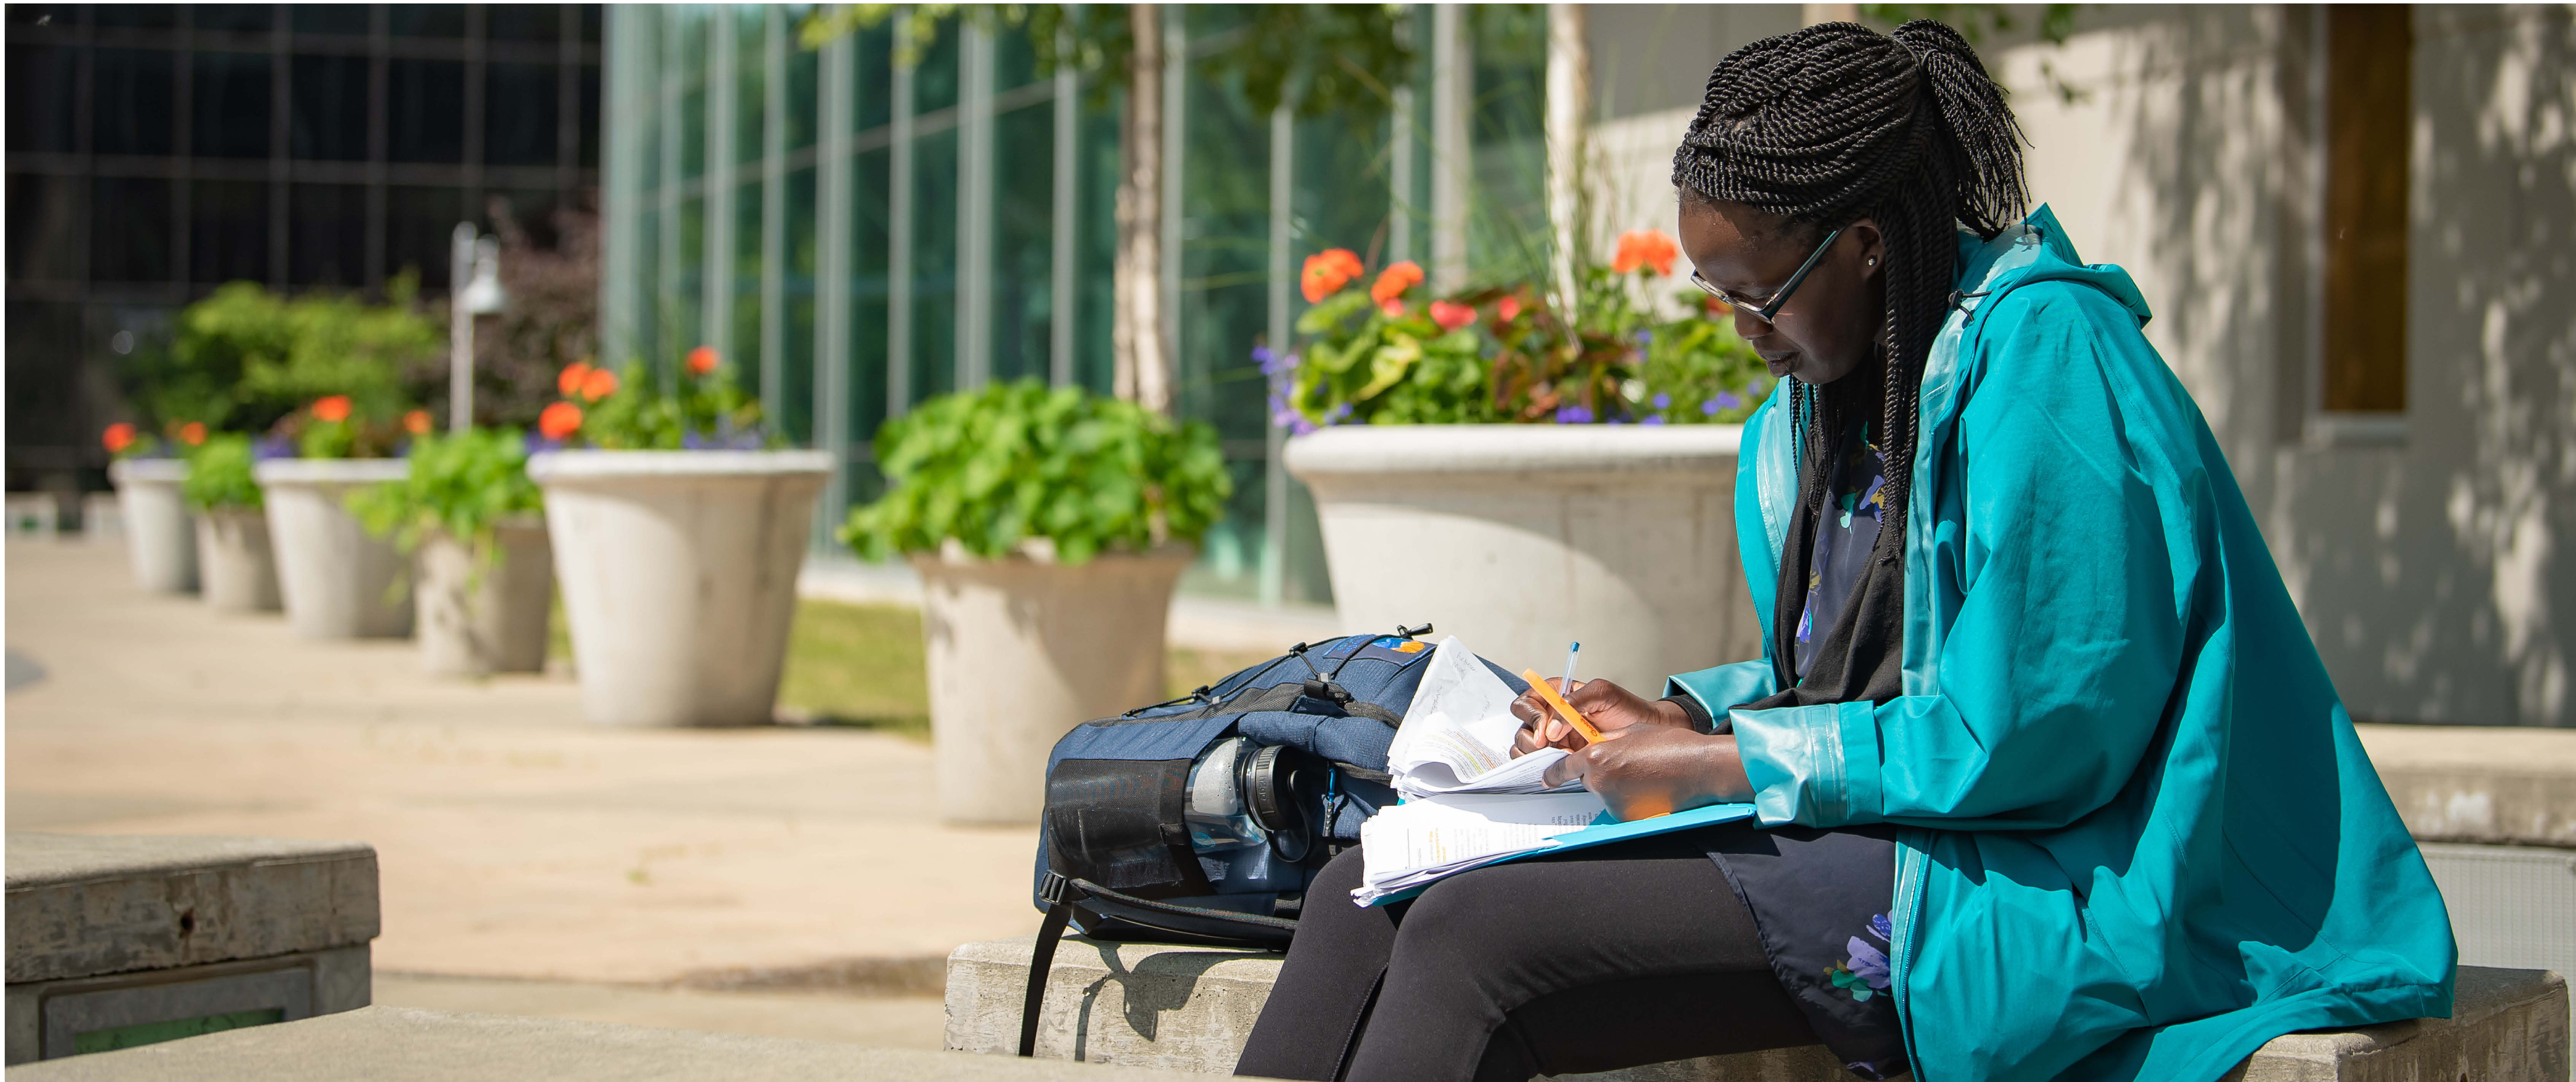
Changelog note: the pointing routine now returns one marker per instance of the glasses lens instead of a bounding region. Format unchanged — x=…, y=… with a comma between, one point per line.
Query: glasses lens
x=1708, y=287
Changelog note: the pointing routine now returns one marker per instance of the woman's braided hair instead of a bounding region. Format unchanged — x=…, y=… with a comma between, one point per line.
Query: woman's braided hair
x=1838, y=122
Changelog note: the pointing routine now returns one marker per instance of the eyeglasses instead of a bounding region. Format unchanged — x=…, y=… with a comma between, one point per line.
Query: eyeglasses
x=1764, y=312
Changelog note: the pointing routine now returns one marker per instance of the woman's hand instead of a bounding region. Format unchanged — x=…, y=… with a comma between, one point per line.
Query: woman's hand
x=1609, y=707
x=1651, y=770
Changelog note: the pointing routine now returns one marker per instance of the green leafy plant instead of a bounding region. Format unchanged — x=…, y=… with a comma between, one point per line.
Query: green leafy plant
x=219, y=474
x=461, y=485
x=1503, y=354
x=1016, y=462
x=628, y=411
x=244, y=359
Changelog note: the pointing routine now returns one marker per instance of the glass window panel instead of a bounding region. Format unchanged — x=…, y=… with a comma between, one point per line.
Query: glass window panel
x=428, y=20
x=519, y=114
x=321, y=247
x=426, y=111
x=532, y=210
x=589, y=116
x=140, y=16
x=804, y=80
x=227, y=231
x=130, y=231
x=419, y=223
x=870, y=251
x=797, y=350
x=688, y=23
x=1225, y=253
x=934, y=265
x=934, y=83
x=1096, y=193
x=1023, y=240
x=43, y=14
x=1015, y=59
x=742, y=340
x=233, y=18
x=750, y=80
x=542, y=23
x=44, y=227
x=131, y=95
x=875, y=51
x=1507, y=233
x=228, y=101
x=590, y=23
x=642, y=337
x=331, y=18
x=327, y=108
x=683, y=300
x=41, y=85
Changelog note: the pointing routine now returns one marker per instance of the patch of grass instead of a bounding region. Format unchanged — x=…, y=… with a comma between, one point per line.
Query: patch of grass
x=861, y=667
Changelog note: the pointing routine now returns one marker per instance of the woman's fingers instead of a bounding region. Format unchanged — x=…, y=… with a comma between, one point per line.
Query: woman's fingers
x=1569, y=768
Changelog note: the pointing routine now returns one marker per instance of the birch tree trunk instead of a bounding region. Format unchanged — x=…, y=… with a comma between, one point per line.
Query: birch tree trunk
x=1137, y=348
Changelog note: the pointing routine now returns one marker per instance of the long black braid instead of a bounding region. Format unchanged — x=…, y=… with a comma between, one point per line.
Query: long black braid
x=1838, y=122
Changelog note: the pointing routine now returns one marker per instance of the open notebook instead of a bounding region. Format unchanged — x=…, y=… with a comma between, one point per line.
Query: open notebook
x=1468, y=803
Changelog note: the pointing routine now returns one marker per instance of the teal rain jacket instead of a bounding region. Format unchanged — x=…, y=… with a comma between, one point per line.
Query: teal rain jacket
x=2138, y=836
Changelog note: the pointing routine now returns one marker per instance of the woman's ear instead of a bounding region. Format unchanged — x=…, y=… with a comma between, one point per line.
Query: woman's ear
x=1873, y=246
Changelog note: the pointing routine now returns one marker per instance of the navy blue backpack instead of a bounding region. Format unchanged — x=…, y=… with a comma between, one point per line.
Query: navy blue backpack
x=1115, y=858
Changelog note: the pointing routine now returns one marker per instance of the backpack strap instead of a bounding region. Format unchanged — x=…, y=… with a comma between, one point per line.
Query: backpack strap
x=1062, y=896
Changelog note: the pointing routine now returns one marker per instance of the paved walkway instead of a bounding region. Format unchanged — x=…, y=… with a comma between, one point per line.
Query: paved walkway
x=515, y=840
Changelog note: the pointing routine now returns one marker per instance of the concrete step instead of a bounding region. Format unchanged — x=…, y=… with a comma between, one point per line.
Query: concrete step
x=1190, y=1009
x=113, y=940
x=396, y=1044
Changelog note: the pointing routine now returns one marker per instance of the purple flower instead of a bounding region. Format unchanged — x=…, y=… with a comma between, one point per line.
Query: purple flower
x=1652, y=420
x=1725, y=400
x=1868, y=963
x=1663, y=401
x=1879, y=927
x=1645, y=338
x=268, y=447
x=1708, y=408
x=535, y=442
x=1261, y=355
x=1573, y=415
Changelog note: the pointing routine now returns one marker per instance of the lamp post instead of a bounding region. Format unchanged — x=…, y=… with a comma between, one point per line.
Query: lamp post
x=474, y=269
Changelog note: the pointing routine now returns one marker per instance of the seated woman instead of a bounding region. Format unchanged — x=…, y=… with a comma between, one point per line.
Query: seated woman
x=2051, y=782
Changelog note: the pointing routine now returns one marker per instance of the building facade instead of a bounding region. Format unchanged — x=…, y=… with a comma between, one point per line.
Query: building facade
x=156, y=151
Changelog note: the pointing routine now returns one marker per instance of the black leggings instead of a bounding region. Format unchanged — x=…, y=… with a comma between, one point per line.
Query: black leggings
x=1613, y=957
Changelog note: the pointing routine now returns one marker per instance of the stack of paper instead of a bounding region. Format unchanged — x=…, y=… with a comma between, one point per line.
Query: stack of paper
x=1468, y=803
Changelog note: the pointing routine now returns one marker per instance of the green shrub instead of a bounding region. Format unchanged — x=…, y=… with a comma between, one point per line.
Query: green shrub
x=462, y=485
x=1017, y=461
x=243, y=358
x=219, y=474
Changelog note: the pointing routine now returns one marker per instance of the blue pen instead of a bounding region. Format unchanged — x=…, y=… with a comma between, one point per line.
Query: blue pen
x=1571, y=649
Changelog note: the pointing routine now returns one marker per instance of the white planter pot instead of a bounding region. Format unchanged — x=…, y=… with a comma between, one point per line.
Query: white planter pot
x=233, y=551
x=1020, y=652
x=340, y=581
x=1521, y=538
x=678, y=571
x=158, y=534
x=475, y=621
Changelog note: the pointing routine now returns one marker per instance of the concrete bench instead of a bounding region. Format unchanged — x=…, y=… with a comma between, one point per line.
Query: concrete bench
x=116, y=941
x=1190, y=1008
x=395, y=1044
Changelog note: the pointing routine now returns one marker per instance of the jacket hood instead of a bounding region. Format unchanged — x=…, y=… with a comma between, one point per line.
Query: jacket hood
x=2036, y=249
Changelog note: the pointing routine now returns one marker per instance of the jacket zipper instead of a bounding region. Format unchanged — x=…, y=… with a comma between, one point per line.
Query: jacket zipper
x=1910, y=860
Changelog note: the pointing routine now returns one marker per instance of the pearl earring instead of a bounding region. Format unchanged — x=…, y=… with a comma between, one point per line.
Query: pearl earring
x=1873, y=261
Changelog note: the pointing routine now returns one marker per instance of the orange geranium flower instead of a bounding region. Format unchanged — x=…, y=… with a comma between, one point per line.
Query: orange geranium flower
x=703, y=360
x=559, y=421
x=331, y=409
x=598, y=383
x=1644, y=248
x=569, y=383
x=1451, y=315
x=117, y=438
x=1393, y=281
x=1327, y=272
x=193, y=433
x=1509, y=309
x=416, y=422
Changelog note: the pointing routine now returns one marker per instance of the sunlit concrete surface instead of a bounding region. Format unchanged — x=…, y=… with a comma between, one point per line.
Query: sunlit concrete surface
x=515, y=840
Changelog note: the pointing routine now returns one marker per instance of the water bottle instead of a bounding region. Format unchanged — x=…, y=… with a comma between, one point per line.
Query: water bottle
x=1218, y=819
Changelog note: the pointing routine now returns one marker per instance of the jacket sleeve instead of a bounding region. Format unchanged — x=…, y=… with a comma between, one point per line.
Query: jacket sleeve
x=2055, y=633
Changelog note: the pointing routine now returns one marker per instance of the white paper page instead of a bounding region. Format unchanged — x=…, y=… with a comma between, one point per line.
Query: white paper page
x=1423, y=838
x=1457, y=734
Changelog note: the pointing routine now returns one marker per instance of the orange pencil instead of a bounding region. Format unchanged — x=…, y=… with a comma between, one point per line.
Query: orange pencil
x=1581, y=725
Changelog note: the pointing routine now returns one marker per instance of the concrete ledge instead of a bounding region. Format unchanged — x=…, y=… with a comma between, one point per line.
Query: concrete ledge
x=1191, y=1008
x=83, y=906
x=2488, y=786
x=393, y=1044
